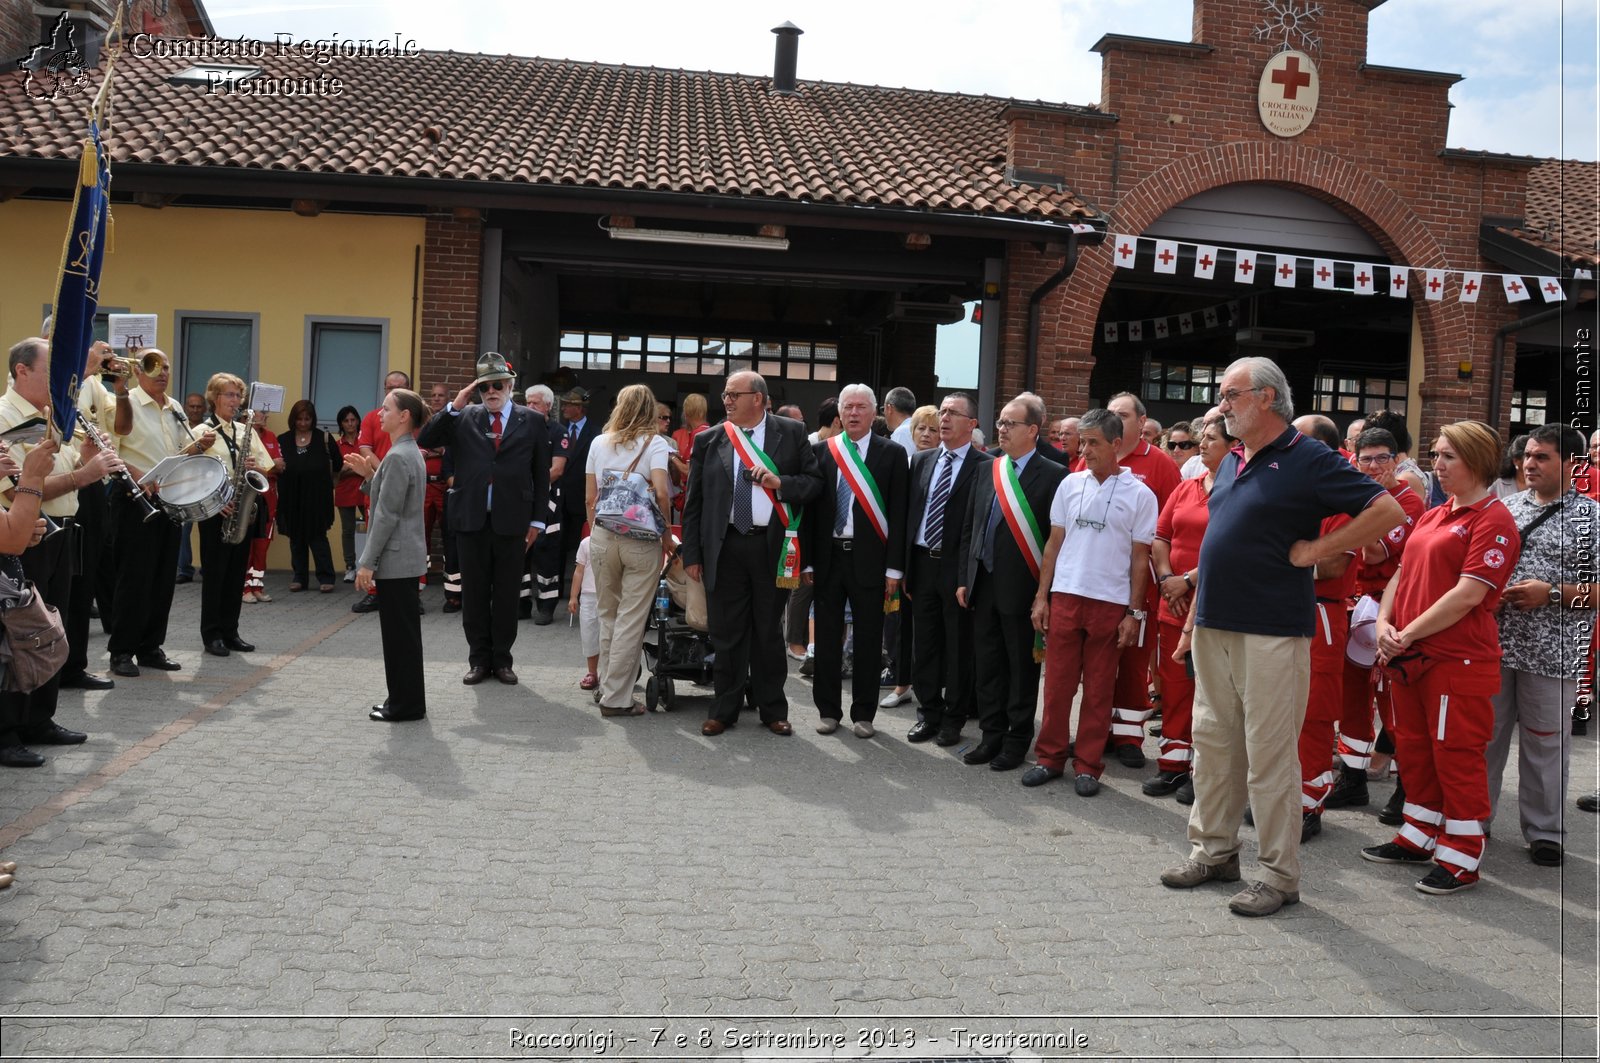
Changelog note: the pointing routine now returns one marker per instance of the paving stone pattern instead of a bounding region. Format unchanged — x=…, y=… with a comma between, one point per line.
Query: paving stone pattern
x=239, y=863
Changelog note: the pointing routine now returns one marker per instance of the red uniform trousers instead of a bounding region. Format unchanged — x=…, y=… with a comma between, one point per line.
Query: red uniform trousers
x=1130, y=699
x=432, y=514
x=1358, y=728
x=1080, y=645
x=1324, y=703
x=1442, y=725
x=1177, y=702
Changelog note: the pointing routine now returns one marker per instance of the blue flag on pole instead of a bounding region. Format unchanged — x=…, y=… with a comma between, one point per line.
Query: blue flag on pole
x=78, y=295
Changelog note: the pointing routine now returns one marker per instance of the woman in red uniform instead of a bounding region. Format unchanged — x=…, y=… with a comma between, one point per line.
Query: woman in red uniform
x=1440, y=648
x=1176, y=553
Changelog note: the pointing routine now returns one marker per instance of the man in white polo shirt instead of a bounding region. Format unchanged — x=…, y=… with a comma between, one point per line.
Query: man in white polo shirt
x=1090, y=602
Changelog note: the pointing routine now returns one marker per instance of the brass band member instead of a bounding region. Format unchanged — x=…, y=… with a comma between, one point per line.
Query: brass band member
x=149, y=425
x=233, y=441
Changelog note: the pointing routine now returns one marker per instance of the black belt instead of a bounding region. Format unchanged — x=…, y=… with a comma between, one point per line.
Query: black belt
x=1330, y=601
x=932, y=551
x=759, y=529
x=844, y=544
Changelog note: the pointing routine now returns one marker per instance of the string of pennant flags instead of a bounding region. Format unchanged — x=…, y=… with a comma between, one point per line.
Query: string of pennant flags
x=1222, y=315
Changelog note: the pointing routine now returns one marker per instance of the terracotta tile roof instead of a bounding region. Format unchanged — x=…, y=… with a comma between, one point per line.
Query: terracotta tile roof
x=1563, y=210
x=447, y=115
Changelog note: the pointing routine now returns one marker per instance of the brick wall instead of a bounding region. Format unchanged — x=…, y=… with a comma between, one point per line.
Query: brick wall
x=1187, y=121
x=451, y=262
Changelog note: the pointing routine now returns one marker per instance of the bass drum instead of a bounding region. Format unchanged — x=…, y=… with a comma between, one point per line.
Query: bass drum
x=195, y=489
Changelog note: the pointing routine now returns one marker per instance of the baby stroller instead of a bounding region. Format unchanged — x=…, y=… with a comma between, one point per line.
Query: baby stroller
x=680, y=649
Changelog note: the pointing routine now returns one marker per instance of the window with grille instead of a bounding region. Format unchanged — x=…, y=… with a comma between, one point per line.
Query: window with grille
x=1181, y=382
x=1347, y=393
x=1529, y=407
x=717, y=355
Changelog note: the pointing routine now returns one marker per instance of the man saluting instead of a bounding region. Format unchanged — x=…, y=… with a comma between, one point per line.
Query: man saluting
x=741, y=523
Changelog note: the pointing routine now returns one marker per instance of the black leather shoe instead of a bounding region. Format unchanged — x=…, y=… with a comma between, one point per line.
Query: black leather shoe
x=124, y=666
x=1007, y=761
x=381, y=714
x=159, y=661
x=53, y=734
x=921, y=731
x=184, y=579
x=544, y=617
x=476, y=674
x=1164, y=783
x=452, y=605
x=506, y=676
x=947, y=737
x=367, y=604
x=1310, y=826
x=20, y=757
x=1393, y=813
x=217, y=648
x=982, y=753
x=87, y=681
x=237, y=643
x=1131, y=756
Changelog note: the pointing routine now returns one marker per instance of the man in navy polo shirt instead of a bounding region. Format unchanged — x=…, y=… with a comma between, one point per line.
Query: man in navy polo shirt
x=1251, y=631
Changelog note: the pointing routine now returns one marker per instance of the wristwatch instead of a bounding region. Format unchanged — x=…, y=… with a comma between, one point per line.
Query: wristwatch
x=1555, y=594
x=1138, y=614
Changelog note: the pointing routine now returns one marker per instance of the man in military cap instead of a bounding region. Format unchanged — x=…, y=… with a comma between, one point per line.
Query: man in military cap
x=501, y=453
x=581, y=431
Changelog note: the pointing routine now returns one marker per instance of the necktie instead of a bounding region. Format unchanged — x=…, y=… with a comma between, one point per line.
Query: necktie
x=841, y=505
x=743, y=503
x=494, y=429
x=572, y=431
x=936, y=503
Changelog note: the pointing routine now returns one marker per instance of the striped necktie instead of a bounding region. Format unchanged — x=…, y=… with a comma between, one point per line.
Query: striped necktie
x=936, y=502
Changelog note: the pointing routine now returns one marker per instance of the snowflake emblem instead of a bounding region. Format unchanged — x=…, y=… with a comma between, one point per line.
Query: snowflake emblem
x=1291, y=24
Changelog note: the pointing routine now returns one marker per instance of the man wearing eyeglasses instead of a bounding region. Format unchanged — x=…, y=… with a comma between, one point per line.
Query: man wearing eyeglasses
x=1090, y=601
x=1000, y=552
x=1131, y=705
x=501, y=458
x=1251, y=629
x=748, y=479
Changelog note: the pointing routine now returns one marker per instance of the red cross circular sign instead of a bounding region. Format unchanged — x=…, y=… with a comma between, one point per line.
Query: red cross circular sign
x=1287, y=96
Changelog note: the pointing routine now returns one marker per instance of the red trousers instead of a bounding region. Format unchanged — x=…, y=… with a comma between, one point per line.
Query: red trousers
x=1357, y=725
x=1081, y=646
x=1177, y=702
x=1442, y=724
x=1130, y=699
x=1324, y=703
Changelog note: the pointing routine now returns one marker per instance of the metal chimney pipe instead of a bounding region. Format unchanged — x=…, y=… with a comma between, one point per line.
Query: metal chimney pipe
x=788, y=51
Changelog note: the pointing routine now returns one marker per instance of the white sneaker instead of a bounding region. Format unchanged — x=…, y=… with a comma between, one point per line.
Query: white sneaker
x=349, y=575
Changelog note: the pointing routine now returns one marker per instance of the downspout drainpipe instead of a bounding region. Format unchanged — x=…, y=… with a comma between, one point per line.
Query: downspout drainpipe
x=1030, y=379
x=1498, y=361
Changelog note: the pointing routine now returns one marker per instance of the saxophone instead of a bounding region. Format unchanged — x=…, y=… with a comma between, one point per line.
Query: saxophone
x=247, y=485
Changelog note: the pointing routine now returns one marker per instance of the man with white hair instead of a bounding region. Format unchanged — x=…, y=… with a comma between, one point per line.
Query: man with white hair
x=541, y=582
x=1252, y=652
x=854, y=554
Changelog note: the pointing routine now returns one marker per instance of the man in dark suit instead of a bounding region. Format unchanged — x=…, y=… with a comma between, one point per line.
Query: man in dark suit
x=581, y=430
x=941, y=494
x=855, y=552
x=734, y=532
x=1000, y=578
x=501, y=454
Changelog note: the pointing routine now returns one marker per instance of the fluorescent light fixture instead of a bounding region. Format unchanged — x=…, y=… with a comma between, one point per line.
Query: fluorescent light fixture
x=676, y=236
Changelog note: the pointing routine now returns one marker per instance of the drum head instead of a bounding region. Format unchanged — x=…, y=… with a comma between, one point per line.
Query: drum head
x=1362, y=649
x=193, y=479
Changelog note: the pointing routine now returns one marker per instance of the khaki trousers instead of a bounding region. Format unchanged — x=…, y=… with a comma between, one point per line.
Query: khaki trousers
x=626, y=575
x=1249, y=703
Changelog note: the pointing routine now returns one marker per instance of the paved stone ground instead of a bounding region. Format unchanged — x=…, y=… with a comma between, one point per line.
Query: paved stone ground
x=239, y=864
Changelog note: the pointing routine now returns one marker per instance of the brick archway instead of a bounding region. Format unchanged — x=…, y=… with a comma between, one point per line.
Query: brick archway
x=1373, y=205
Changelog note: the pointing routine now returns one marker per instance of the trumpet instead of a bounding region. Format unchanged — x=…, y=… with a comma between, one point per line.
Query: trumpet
x=151, y=364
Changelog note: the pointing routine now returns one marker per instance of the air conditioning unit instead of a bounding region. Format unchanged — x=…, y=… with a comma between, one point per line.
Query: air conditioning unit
x=946, y=312
x=1281, y=338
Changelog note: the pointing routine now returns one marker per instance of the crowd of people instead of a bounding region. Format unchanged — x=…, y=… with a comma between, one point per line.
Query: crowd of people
x=1295, y=613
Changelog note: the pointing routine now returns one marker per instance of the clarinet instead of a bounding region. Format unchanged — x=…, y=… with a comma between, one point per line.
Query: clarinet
x=98, y=438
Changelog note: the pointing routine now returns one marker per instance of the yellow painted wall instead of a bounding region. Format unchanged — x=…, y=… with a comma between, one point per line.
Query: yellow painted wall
x=272, y=263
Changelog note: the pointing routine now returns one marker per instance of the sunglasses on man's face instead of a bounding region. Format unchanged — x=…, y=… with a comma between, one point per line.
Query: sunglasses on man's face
x=493, y=385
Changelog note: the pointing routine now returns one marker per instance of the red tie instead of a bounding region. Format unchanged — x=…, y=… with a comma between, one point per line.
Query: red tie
x=494, y=429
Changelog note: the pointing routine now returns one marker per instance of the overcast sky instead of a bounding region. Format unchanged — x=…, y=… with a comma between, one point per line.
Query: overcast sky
x=1529, y=65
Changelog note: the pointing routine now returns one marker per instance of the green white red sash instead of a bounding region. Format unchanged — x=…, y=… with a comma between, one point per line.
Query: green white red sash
x=749, y=455
x=1018, y=514
x=862, y=485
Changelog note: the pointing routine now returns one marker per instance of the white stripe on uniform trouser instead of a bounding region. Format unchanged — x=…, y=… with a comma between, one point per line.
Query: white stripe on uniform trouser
x=1421, y=827
x=1447, y=855
x=255, y=579
x=452, y=583
x=1313, y=792
x=1129, y=722
x=1355, y=753
x=1176, y=750
x=527, y=586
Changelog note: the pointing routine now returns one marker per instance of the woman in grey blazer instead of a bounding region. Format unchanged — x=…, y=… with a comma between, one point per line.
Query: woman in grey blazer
x=396, y=554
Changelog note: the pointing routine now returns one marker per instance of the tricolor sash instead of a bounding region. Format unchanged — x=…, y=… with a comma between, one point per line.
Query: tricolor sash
x=745, y=449
x=1018, y=514
x=862, y=485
